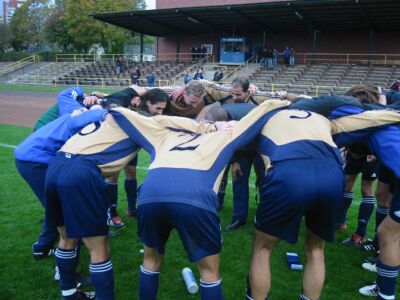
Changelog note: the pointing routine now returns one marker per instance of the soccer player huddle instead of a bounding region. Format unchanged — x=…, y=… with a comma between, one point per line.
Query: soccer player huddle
x=193, y=134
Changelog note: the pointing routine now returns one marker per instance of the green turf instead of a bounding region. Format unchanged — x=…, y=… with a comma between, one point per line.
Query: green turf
x=23, y=278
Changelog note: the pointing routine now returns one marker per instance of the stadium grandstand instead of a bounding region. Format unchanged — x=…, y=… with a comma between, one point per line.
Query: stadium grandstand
x=336, y=43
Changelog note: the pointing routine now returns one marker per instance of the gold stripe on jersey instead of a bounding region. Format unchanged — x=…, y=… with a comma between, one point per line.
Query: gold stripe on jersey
x=115, y=166
x=364, y=120
x=186, y=123
x=256, y=112
x=289, y=126
x=92, y=141
x=266, y=161
x=218, y=181
x=170, y=151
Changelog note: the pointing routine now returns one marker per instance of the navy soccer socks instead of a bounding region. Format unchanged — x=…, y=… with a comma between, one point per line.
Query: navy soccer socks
x=103, y=280
x=365, y=211
x=211, y=290
x=148, y=284
x=386, y=280
x=131, y=193
x=67, y=262
x=347, y=199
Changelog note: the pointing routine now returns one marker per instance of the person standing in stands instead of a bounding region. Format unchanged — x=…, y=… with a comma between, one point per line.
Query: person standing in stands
x=286, y=56
x=135, y=76
x=199, y=74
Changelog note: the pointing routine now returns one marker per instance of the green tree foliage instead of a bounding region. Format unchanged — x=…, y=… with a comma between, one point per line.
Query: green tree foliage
x=27, y=24
x=56, y=30
x=5, y=37
x=86, y=31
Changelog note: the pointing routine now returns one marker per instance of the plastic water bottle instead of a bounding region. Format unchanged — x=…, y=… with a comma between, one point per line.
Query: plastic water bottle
x=190, y=281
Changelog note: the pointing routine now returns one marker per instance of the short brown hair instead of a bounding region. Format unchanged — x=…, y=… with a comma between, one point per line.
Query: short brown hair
x=365, y=93
x=195, y=88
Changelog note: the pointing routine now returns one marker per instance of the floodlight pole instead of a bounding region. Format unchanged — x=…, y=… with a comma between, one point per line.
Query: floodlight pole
x=314, y=47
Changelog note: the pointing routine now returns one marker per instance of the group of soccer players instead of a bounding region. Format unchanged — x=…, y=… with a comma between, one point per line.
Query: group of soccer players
x=72, y=165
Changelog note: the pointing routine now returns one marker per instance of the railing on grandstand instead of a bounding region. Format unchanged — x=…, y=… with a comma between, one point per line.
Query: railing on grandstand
x=344, y=58
x=132, y=58
x=101, y=81
x=75, y=58
x=18, y=64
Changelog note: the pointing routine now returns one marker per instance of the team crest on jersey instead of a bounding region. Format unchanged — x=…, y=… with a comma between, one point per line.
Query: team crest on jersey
x=397, y=213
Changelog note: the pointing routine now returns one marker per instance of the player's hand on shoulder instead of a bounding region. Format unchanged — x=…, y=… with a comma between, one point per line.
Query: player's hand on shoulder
x=90, y=100
x=252, y=89
x=225, y=126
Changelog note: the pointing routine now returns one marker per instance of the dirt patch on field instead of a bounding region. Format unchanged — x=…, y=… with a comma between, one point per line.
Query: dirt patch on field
x=24, y=108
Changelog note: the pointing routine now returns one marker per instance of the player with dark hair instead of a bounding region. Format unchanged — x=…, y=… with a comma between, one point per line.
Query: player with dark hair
x=356, y=164
x=151, y=103
x=76, y=191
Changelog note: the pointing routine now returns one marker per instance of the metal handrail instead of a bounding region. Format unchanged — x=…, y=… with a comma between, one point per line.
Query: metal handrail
x=18, y=64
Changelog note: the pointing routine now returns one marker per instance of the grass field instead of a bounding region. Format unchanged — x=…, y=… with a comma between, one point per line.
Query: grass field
x=23, y=278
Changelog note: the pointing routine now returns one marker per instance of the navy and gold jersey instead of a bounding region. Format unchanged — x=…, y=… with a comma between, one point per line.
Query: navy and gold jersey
x=352, y=122
x=110, y=148
x=296, y=134
x=187, y=165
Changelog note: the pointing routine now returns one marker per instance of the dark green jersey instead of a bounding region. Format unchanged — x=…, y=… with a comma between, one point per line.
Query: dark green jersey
x=50, y=115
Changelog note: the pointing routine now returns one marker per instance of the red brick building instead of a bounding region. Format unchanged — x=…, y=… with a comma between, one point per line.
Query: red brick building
x=326, y=26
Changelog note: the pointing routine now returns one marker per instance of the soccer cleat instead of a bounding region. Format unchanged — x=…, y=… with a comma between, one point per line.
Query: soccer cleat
x=367, y=246
x=354, y=240
x=130, y=213
x=341, y=227
x=42, y=253
x=369, y=290
x=117, y=222
x=369, y=266
x=234, y=225
x=85, y=295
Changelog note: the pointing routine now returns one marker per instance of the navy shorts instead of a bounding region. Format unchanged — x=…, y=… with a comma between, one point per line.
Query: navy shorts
x=386, y=175
x=355, y=166
x=295, y=188
x=198, y=229
x=34, y=174
x=134, y=161
x=76, y=197
x=395, y=208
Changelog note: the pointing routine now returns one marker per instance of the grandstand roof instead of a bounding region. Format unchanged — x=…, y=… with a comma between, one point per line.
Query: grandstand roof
x=294, y=15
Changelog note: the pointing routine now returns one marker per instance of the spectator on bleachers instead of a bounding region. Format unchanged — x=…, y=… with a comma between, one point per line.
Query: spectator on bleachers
x=151, y=80
x=291, y=57
x=270, y=57
x=218, y=75
x=193, y=51
x=121, y=60
x=263, y=60
x=199, y=74
x=135, y=76
x=275, y=55
x=198, y=52
x=187, y=78
x=286, y=56
x=117, y=66
x=203, y=51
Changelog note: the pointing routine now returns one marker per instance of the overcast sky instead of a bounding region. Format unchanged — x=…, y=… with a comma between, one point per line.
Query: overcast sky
x=151, y=4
